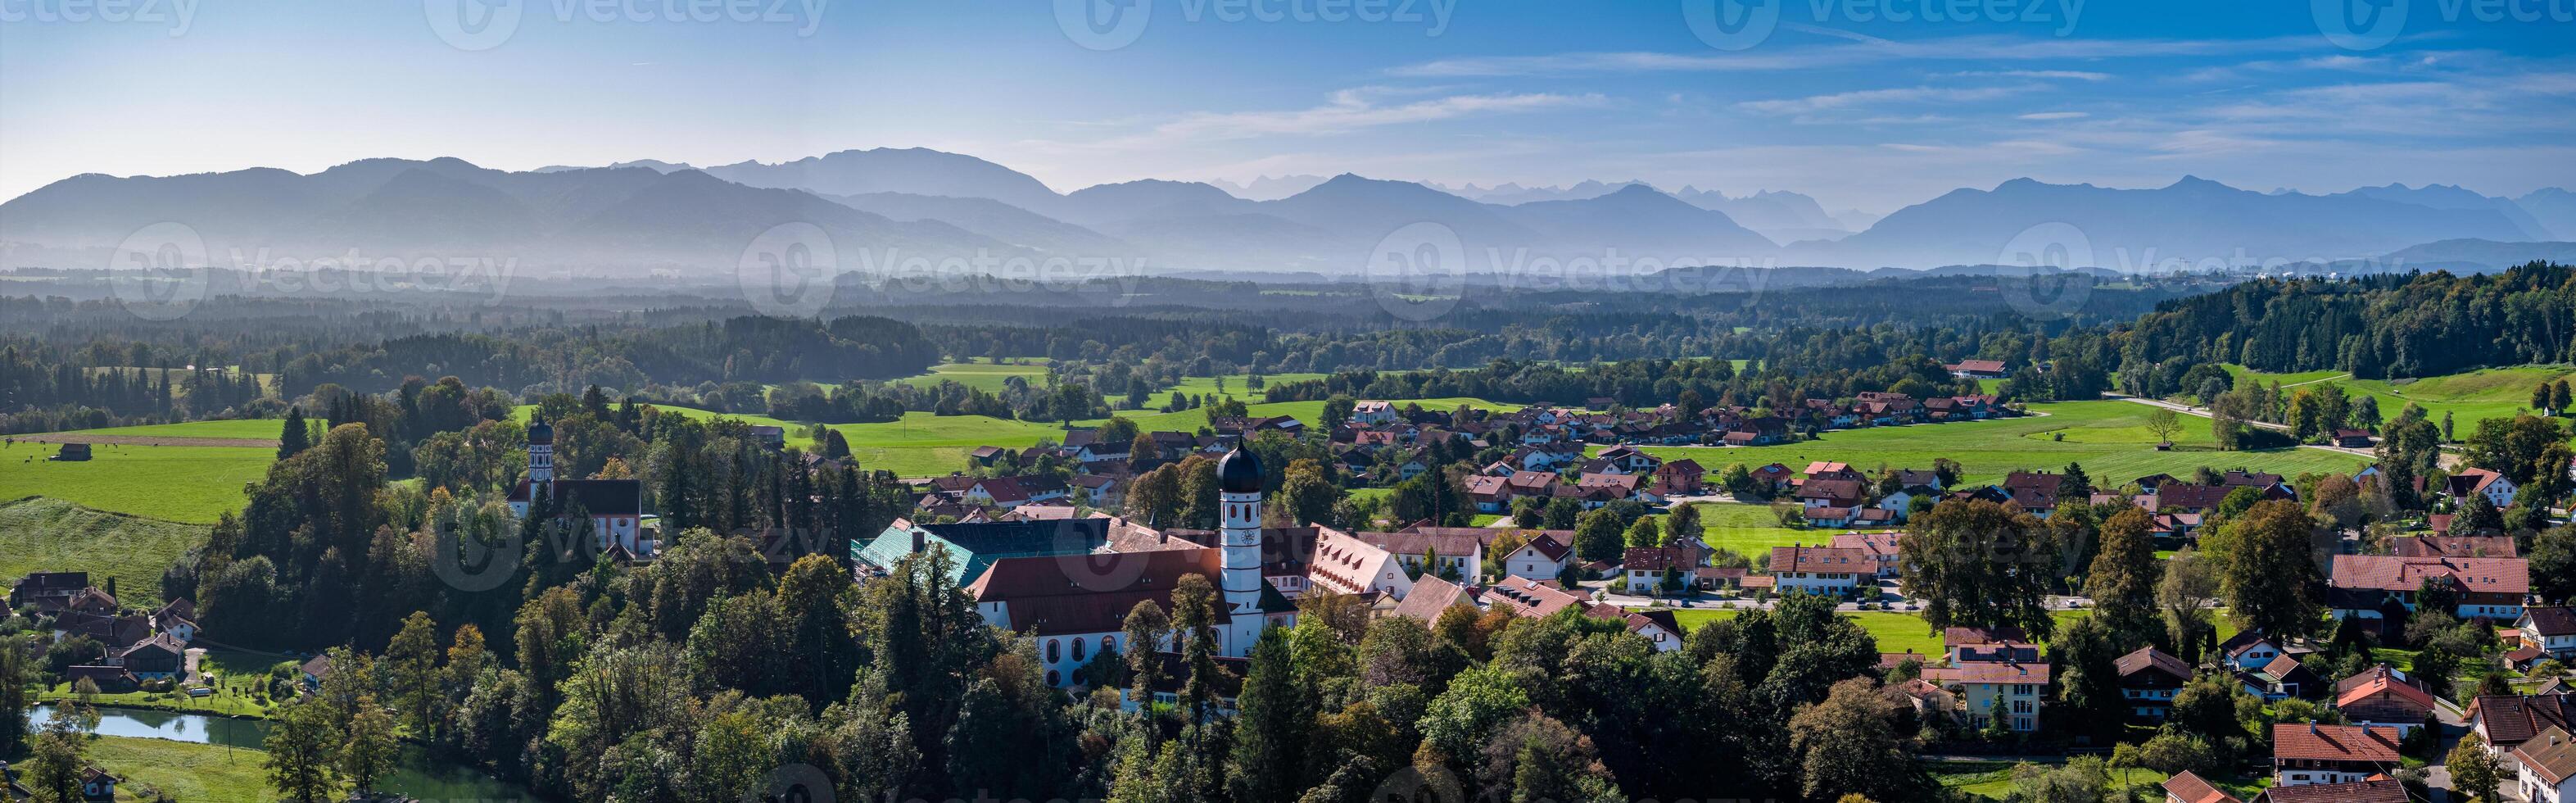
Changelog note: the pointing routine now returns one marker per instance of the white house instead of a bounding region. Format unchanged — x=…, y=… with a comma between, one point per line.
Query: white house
x=2485, y=483
x=2021, y=686
x=1345, y=564
x=2548, y=773
x=1372, y=413
x=1543, y=558
x=2552, y=629
x=1820, y=569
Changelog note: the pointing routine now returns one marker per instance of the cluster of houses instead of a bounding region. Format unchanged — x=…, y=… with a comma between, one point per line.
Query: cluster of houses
x=2384, y=706
x=137, y=646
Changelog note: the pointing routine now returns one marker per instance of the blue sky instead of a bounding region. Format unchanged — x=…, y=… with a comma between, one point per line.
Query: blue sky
x=1835, y=100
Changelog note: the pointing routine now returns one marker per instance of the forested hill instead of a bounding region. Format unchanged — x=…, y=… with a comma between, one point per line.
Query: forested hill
x=2375, y=327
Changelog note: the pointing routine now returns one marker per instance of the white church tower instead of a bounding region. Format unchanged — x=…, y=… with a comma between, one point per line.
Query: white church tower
x=1238, y=476
x=541, y=451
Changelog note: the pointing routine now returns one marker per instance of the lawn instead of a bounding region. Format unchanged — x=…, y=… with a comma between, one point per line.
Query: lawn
x=2469, y=397
x=1752, y=529
x=983, y=376
x=2108, y=437
x=191, y=484
x=1994, y=778
x=184, y=770
x=41, y=534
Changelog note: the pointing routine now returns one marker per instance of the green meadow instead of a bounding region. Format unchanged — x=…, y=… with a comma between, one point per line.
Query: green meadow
x=2469, y=397
x=1752, y=529
x=982, y=376
x=41, y=534
x=2109, y=438
x=190, y=484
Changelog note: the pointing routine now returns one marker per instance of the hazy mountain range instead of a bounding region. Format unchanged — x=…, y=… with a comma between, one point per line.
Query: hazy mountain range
x=883, y=205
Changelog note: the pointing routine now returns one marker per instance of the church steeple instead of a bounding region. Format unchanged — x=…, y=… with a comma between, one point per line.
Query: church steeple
x=541, y=451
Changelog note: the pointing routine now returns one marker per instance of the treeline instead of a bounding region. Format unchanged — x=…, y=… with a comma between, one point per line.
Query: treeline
x=2378, y=326
x=327, y=542
x=43, y=393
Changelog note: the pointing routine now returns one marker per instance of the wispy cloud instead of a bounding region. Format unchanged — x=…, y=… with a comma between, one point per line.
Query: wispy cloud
x=2052, y=116
x=1874, y=97
x=1859, y=49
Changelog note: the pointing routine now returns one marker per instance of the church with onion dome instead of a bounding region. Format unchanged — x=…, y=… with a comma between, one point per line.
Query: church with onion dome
x=615, y=507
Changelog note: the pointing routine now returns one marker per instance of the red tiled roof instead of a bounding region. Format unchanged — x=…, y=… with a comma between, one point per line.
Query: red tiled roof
x=2378, y=683
x=2392, y=573
x=1982, y=672
x=2376, y=790
x=2302, y=741
x=2189, y=788
x=1532, y=598
x=1820, y=559
x=1430, y=597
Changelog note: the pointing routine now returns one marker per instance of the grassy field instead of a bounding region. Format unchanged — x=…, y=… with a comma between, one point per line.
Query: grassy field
x=2469, y=397
x=1993, y=779
x=982, y=376
x=183, y=770
x=191, y=484
x=1752, y=529
x=41, y=534
x=1238, y=386
x=2108, y=437
x=919, y=445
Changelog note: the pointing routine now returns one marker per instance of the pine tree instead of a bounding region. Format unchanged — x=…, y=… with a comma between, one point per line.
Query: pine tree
x=1272, y=727
x=294, y=436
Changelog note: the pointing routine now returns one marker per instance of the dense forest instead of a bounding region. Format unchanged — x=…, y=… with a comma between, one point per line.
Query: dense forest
x=2381, y=326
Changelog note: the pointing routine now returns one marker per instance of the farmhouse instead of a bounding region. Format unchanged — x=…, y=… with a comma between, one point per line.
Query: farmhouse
x=2149, y=679
x=2309, y=753
x=2490, y=588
